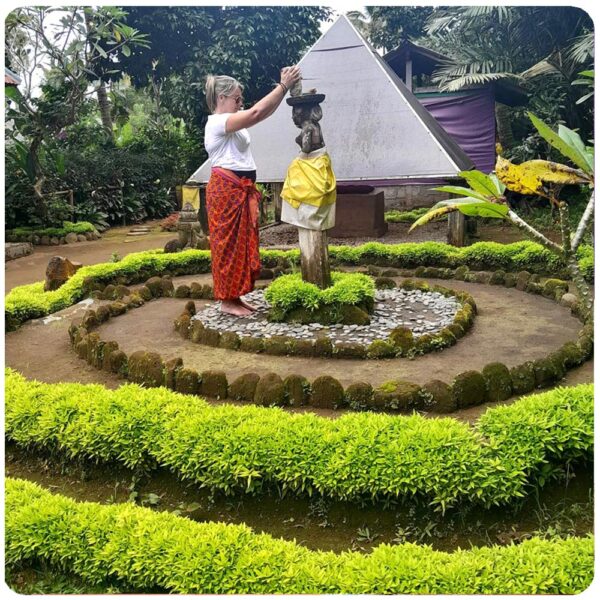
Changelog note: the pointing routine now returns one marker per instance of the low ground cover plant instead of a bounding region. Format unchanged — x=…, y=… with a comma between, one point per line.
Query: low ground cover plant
x=80, y=227
x=249, y=449
x=404, y=216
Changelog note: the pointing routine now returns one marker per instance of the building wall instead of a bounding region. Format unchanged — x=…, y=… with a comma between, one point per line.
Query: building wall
x=407, y=197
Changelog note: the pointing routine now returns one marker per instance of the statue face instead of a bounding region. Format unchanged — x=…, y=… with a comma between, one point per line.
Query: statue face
x=316, y=113
x=297, y=116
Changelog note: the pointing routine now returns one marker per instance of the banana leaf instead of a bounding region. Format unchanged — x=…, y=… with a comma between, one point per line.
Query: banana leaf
x=519, y=179
x=462, y=191
x=481, y=183
x=476, y=208
x=552, y=172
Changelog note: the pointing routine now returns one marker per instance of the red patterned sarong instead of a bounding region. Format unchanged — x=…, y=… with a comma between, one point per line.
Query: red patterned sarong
x=232, y=207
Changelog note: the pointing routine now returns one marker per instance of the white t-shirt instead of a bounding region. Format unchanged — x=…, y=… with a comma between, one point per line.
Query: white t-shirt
x=227, y=150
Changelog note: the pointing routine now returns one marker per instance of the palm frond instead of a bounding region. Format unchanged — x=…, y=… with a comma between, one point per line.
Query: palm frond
x=582, y=48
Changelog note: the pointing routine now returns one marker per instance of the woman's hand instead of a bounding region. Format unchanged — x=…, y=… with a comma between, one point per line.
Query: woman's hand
x=290, y=75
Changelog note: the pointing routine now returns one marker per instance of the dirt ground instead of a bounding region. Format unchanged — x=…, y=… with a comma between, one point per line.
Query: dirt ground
x=510, y=327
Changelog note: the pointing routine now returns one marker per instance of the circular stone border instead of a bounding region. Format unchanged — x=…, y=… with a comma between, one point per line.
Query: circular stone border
x=495, y=382
x=401, y=341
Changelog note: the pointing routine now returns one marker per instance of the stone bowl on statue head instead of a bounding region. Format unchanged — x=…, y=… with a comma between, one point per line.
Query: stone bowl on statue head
x=305, y=99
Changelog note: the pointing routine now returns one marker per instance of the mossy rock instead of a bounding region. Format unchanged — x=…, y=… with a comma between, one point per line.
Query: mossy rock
x=304, y=347
x=109, y=292
x=210, y=337
x=252, y=344
x=145, y=293
x=95, y=354
x=154, y=284
x=244, y=387
x=385, y=283
x=74, y=327
x=523, y=378
x=552, y=286
x=117, y=308
x=437, y=397
x=572, y=355
x=278, y=345
x=510, y=280
x=270, y=391
x=481, y=277
x=119, y=363
x=558, y=359
x=390, y=272
x=359, y=395
x=353, y=315
x=400, y=395
x=323, y=347
x=523, y=278
x=498, y=277
x=381, y=349
x=196, y=330
x=432, y=273
x=182, y=325
x=190, y=308
x=266, y=274
x=187, y=381
x=89, y=320
x=534, y=288
x=93, y=339
x=196, y=290
x=297, y=390
x=327, y=392
x=403, y=339
x=182, y=291
x=213, y=384
x=172, y=366
x=121, y=291
x=168, y=289
x=460, y=272
x=229, y=340
x=468, y=389
x=547, y=372
x=420, y=271
x=81, y=348
x=109, y=348
x=456, y=329
x=134, y=301
x=498, y=381
x=207, y=292
x=146, y=368
x=102, y=314
x=373, y=270
x=349, y=350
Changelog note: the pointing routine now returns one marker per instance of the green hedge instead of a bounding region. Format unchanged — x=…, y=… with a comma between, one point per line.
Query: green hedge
x=30, y=301
x=357, y=456
x=150, y=550
x=81, y=227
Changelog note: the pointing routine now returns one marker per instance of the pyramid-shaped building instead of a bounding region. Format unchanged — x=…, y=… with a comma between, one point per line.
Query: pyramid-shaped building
x=375, y=129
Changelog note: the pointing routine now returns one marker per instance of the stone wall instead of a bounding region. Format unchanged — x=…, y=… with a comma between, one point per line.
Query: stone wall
x=407, y=197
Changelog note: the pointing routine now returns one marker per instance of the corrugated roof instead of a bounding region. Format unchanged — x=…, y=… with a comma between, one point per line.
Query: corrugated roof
x=11, y=78
x=374, y=127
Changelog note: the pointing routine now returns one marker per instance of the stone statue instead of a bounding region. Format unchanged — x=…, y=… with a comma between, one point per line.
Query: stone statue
x=307, y=117
x=189, y=231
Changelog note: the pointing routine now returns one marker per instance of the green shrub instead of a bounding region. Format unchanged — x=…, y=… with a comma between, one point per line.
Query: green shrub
x=405, y=216
x=79, y=228
x=152, y=551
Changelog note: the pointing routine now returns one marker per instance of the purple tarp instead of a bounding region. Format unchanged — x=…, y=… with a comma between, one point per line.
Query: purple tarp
x=470, y=120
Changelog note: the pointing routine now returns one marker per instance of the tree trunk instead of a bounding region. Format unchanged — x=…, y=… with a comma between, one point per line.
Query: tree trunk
x=503, y=127
x=314, y=257
x=104, y=106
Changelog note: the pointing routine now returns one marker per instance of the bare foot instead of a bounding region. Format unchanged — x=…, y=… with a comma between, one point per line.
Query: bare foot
x=232, y=307
x=248, y=305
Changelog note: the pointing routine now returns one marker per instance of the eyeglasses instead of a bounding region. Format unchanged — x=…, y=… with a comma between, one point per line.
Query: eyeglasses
x=238, y=99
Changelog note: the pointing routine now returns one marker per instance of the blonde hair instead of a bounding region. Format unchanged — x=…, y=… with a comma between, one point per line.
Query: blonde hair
x=217, y=85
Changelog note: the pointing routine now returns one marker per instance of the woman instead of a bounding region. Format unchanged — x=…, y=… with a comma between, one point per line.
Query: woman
x=231, y=196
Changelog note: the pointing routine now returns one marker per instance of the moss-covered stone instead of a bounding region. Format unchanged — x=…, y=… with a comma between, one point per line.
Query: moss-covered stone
x=420, y=271
x=359, y=395
x=323, y=347
x=210, y=337
x=102, y=313
x=552, y=286
x=277, y=345
x=154, y=284
x=270, y=391
x=523, y=278
x=437, y=397
x=134, y=300
x=171, y=367
x=89, y=320
x=187, y=381
x=182, y=325
x=381, y=349
x=534, y=288
x=81, y=347
x=119, y=363
x=145, y=293
x=432, y=273
x=213, y=384
x=572, y=355
x=353, y=315
x=75, y=325
x=297, y=390
x=523, y=378
x=498, y=277
x=266, y=274
x=117, y=308
x=121, y=291
x=402, y=338
x=146, y=368
x=349, y=350
x=304, y=347
x=93, y=339
x=229, y=340
x=385, y=283
x=190, y=308
x=244, y=387
x=196, y=330
x=207, y=291
x=109, y=348
x=327, y=392
x=95, y=354
x=109, y=292
x=457, y=330
x=510, y=280
x=498, y=381
x=252, y=344
x=398, y=395
x=373, y=270
x=547, y=372
x=460, y=272
x=586, y=344
x=468, y=389
x=196, y=290
x=182, y=291
x=168, y=289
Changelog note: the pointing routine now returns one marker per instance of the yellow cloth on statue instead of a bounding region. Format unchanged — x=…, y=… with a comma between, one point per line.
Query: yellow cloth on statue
x=310, y=181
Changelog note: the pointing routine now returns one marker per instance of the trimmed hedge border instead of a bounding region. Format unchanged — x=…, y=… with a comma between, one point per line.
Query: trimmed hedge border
x=400, y=342
x=150, y=550
x=54, y=236
x=496, y=382
x=30, y=301
x=356, y=457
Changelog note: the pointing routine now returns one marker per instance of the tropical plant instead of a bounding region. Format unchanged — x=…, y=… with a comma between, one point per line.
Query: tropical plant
x=485, y=196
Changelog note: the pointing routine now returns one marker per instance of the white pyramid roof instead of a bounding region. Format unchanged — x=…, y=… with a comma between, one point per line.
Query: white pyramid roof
x=373, y=126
